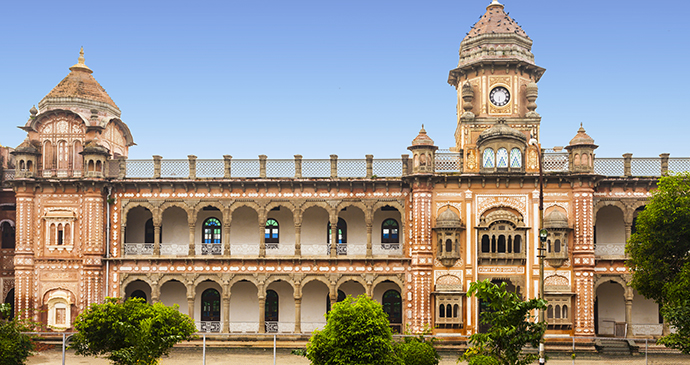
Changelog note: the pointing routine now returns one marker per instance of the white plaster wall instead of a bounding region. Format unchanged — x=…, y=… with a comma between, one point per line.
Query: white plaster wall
x=644, y=311
x=197, y=300
x=174, y=292
x=314, y=225
x=286, y=302
x=314, y=295
x=138, y=285
x=286, y=225
x=381, y=288
x=352, y=288
x=201, y=217
x=610, y=225
x=611, y=303
x=244, y=227
x=244, y=304
x=356, y=226
x=136, y=223
x=175, y=226
x=379, y=217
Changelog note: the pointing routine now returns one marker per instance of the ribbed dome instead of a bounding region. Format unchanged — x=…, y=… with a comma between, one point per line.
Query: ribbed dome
x=95, y=148
x=495, y=21
x=448, y=218
x=422, y=139
x=26, y=147
x=556, y=219
x=581, y=138
x=501, y=130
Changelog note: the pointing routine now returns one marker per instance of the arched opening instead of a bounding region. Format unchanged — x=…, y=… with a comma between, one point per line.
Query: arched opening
x=609, y=310
x=392, y=306
x=633, y=228
x=8, y=236
x=271, y=313
x=341, y=296
x=272, y=231
x=342, y=231
x=10, y=299
x=210, y=305
x=485, y=307
x=313, y=306
x=449, y=245
x=99, y=166
x=486, y=244
x=139, y=294
x=609, y=231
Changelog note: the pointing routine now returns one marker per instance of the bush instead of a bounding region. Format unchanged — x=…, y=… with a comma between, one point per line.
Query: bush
x=412, y=351
x=15, y=347
x=357, y=332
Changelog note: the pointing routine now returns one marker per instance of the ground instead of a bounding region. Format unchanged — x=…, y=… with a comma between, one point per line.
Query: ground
x=188, y=356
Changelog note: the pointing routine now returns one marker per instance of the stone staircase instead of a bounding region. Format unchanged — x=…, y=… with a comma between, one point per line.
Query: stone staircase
x=615, y=347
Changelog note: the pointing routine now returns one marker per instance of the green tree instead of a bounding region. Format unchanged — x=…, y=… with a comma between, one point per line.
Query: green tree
x=659, y=254
x=15, y=347
x=132, y=332
x=511, y=327
x=357, y=332
x=417, y=350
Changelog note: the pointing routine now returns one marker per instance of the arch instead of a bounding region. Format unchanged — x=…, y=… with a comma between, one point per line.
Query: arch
x=207, y=278
x=189, y=212
x=610, y=225
x=309, y=279
x=279, y=278
x=615, y=278
x=392, y=306
x=129, y=141
x=9, y=298
x=605, y=203
x=210, y=305
x=271, y=308
x=238, y=278
x=391, y=203
x=342, y=231
x=134, y=204
x=274, y=204
x=502, y=159
x=392, y=279
x=515, y=158
x=320, y=204
x=350, y=203
x=239, y=204
x=201, y=205
x=488, y=158
x=48, y=155
x=442, y=311
x=357, y=279
x=139, y=294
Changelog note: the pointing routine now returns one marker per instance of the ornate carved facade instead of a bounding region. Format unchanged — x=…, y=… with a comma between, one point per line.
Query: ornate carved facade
x=261, y=245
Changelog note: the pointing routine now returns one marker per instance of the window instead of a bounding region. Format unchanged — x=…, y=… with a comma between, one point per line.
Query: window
x=515, y=158
x=60, y=235
x=212, y=231
x=392, y=306
x=502, y=158
x=271, y=311
x=488, y=158
x=271, y=231
x=389, y=231
x=210, y=305
x=7, y=235
x=342, y=231
x=449, y=310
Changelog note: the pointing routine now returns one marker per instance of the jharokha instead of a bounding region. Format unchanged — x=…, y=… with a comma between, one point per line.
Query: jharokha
x=256, y=246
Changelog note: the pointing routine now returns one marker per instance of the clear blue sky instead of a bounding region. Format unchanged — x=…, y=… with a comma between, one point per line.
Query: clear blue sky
x=344, y=77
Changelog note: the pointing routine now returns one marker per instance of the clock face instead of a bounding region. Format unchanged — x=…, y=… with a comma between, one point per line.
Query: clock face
x=499, y=96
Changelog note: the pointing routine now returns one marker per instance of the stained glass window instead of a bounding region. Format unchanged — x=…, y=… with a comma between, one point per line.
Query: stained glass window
x=502, y=158
x=271, y=232
x=342, y=231
x=212, y=229
x=389, y=231
x=515, y=158
x=488, y=158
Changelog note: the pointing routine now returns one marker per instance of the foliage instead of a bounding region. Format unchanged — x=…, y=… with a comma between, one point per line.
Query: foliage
x=15, y=347
x=357, y=332
x=132, y=332
x=511, y=328
x=417, y=350
x=659, y=254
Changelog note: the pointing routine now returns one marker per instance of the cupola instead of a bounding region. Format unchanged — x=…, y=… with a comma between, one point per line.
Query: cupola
x=95, y=159
x=581, y=152
x=423, y=153
x=502, y=148
x=448, y=230
x=556, y=224
x=26, y=159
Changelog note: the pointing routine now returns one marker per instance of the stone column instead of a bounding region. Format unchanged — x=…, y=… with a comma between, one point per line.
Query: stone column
x=157, y=166
x=262, y=166
x=262, y=232
x=334, y=235
x=405, y=164
x=156, y=239
x=298, y=166
x=192, y=166
x=190, y=307
x=262, y=309
x=628, y=317
x=627, y=162
x=298, y=239
x=225, y=313
x=192, y=250
x=298, y=314
x=628, y=230
x=155, y=292
x=122, y=162
x=333, y=295
x=664, y=163
x=334, y=166
x=227, y=221
x=369, y=243
x=227, y=164
x=370, y=166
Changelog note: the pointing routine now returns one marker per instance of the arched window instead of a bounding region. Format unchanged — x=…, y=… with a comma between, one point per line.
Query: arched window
x=212, y=231
x=548, y=246
x=488, y=158
x=21, y=165
x=389, y=231
x=510, y=244
x=271, y=231
x=53, y=233
x=149, y=231
x=342, y=231
x=456, y=309
x=516, y=244
x=48, y=156
x=210, y=305
x=392, y=306
x=501, y=244
x=442, y=311
x=485, y=243
x=271, y=311
x=557, y=311
x=515, y=158
x=549, y=312
x=7, y=235
x=60, y=235
x=557, y=246
x=502, y=158
x=139, y=294
x=449, y=245
x=565, y=312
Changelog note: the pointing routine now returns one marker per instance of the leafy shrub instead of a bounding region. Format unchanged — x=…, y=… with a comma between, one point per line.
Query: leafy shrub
x=413, y=351
x=15, y=347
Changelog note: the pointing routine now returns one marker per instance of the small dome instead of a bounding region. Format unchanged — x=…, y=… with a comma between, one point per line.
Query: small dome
x=448, y=218
x=581, y=138
x=422, y=139
x=495, y=21
x=26, y=148
x=556, y=219
x=501, y=130
x=94, y=148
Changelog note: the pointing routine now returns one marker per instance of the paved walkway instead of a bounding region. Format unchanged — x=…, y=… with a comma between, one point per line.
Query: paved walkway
x=217, y=356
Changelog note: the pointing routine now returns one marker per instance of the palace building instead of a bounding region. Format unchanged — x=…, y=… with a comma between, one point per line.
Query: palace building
x=261, y=245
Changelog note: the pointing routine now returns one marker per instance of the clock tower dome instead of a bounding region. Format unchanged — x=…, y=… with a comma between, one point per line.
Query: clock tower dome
x=496, y=79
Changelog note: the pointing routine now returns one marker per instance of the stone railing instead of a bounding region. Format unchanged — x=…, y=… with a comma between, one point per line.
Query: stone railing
x=244, y=327
x=174, y=249
x=610, y=250
x=138, y=249
x=647, y=330
x=209, y=326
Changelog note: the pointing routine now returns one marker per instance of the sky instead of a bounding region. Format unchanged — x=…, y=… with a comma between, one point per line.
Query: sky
x=351, y=78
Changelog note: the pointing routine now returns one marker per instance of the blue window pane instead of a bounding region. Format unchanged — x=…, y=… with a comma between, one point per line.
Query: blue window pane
x=488, y=158
x=502, y=157
x=515, y=158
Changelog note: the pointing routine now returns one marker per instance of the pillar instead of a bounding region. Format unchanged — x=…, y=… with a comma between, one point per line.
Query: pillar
x=157, y=166
x=369, y=243
x=192, y=251
x=627, y=163
x=225, y=313
x=334, y=166
x=628, y=317
x=262, y=310
x=370, y=166
x=298, y=166
x=192, y=166
x=298, y=314
x=334, y=236
x=227, y=220
x=262, y=233
x=262, y=166
x=155, y=292
x=156, y=239
x=298, y=239
x=227, y=164
x=405, y=164
x=664, y=163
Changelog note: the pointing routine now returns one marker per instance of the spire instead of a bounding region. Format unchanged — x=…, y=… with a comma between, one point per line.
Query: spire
x=494, y=3
x=80, y=66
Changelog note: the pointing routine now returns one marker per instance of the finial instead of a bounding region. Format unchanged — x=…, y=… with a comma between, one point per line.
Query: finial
x=33, y=111
x=80, y=63
x=494, y=3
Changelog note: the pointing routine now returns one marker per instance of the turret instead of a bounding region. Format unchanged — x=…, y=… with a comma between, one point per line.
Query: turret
x=423, y=153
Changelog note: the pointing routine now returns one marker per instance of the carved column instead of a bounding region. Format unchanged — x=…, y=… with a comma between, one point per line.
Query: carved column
x=369, y=244
x=227, y=166
x=370, y=165
x=664, y=163
x=262, y=309
x=262, y=166
x=583, y=262
x=192, y=166
x=298, y=237
x=225, y=312
x=628, y=317
x=334, y=166
x=298, y=166
x=298, y=314
x=192, y=251
x=262, y=232
x=628, y=230
x=627, y=164
x=157, y=166
x=227, y=221
x=334, y=235
x=155, y=292
x=156, y=239
x=405, y=164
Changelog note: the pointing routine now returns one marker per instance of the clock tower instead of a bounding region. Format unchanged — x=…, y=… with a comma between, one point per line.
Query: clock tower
x=496, y=80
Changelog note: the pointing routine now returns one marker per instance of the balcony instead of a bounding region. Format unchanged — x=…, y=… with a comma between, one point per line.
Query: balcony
x=502, y=257
x=610, y=251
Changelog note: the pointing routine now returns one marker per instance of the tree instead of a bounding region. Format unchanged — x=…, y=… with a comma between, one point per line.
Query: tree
x=15, y=347
x=511, y=327
x=357, y=332
x=659, y=254
x=130, y=332
x=417, y=350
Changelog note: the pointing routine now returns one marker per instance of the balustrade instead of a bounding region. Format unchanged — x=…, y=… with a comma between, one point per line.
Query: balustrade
x=209, y=326
x=610, y=250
